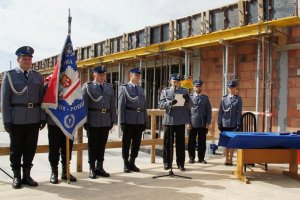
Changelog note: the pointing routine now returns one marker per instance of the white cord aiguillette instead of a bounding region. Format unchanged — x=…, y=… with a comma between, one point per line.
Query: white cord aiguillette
x=12, y=86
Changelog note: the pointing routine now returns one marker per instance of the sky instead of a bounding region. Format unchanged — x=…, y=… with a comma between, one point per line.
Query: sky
x=43, y=24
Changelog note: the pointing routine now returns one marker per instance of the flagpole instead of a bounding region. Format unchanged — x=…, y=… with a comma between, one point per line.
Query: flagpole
x=67, y=139
x=68, y=159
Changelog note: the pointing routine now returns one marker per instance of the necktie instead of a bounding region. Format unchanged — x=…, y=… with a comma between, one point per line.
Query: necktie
x=136, y=89
x=101, y=86
x=198, y=97
x=26, y=74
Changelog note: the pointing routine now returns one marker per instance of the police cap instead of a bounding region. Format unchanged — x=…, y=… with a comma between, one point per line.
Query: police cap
x=231, y=84
x=198, y=83
x=135, y=70
x=25, y=51
x=100, y=69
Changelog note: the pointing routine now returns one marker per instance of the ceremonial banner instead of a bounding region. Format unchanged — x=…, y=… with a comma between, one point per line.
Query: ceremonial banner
x=63, y=99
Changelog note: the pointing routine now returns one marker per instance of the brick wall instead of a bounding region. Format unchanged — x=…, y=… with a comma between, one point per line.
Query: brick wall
x=294, y=81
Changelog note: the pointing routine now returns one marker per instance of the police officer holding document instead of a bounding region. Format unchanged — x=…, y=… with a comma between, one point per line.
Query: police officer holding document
x=133, y=116
x=22, y=93
x=176, y=101
x=99, y=100
x=200, y=122
x=230, y=115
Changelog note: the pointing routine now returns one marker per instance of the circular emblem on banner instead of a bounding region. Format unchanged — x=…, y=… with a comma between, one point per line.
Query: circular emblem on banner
x=69, y=121
x=69, y=49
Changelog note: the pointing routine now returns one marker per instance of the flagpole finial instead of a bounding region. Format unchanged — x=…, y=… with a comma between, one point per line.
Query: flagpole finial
x=69, y=22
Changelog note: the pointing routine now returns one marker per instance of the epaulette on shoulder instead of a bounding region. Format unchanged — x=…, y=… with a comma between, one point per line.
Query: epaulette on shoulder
x=89, y=82
x=225, y=95
x=124, y=84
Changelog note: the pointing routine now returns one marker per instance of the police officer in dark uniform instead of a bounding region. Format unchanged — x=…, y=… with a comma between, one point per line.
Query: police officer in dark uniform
x=57, y=147
x=22, y=93
x=230, y=115
x=99, y=100
x=175, y=119
x=200, y=122
x=133, y=115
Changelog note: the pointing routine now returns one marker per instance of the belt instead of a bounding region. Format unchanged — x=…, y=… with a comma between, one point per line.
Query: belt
x=135, y=109
x=27, y=105
x=100, y=110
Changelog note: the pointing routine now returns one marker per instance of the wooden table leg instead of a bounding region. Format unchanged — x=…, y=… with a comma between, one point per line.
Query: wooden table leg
x=239, y=173
x=293, y=167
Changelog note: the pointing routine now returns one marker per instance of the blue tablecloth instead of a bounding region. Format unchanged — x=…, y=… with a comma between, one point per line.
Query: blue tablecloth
x=259, y=140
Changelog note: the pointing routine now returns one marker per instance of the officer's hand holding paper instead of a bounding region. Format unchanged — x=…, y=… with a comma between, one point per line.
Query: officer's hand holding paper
x=180, y=100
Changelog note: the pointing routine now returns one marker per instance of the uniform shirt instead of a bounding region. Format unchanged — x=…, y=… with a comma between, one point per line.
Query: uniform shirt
x=132, y=104
x=201, y=111
x=230, y=111
x=174, y=115
x=100, y=104
x=17, y=93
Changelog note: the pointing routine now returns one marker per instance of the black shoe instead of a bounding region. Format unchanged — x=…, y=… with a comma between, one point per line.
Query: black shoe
x=72, y=178
x=192, y=161
x=64, y=174
x=167, y=166
x=100, y=171
x=16, y=184
x=132, y=165
x=54, y=178
x=27, y=180
x=202, y=161
x=181, y=167
x=126, y=166
x=92, y=173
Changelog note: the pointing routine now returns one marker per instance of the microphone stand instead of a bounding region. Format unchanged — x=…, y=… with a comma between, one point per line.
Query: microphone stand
x=171, y=173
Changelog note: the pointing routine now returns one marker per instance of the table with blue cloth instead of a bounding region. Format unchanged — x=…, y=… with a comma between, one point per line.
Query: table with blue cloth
x=263, y=147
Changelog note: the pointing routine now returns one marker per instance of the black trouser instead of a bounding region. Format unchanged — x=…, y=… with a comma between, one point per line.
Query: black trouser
x=97, y=138
x=57, y=145
x=23, y=142
x=228, y=129
x=132, y=134
x=180, y=144
x=201, y=133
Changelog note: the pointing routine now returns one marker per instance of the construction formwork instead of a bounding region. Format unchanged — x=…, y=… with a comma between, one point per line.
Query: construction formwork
x=252, y=42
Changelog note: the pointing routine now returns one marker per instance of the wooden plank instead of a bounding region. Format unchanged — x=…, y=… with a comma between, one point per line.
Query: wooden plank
x=267, y=156
x=153, y=136
x=242, y=17
x=207, y=22
x=288, y=47
x=202, y=23
x=79, y=152
x=260, y=10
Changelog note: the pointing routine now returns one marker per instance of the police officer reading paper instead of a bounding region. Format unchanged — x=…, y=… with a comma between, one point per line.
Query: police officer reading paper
x=22, y=93
x=230, y=115
x=174, y=121
x=200, y=122
x=133, y=115
x=99, y=100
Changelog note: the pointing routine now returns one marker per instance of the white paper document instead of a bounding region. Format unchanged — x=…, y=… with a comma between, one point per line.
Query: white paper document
x=180, y=100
